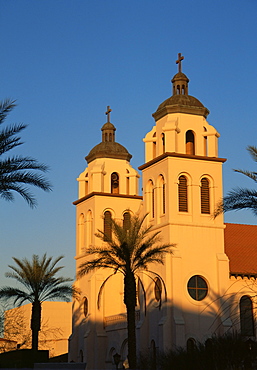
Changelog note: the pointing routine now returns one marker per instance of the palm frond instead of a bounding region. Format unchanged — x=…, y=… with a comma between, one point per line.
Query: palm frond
x=6, y=107
x=17, y=172
x=238, y=199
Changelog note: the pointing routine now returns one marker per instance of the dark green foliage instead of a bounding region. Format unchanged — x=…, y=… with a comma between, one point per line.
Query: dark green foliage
x=227, y=352
x=17, y=171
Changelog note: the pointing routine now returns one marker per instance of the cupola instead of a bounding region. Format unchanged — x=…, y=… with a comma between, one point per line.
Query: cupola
x=180, y=101
x=108, y=148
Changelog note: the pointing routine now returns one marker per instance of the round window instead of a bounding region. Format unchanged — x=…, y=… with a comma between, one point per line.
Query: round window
x=197, y=287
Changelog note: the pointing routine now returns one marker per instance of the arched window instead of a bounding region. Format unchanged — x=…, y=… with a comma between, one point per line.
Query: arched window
x=205, y=144
x=81, y=233
x=89, y=223
x=107, y=225
x=163, y=143
x=246, y=317
x=126, y=221
x=154, y=146
x=152, y=195
x=114, y=183
x=182, y=194
x=85, y=306
x=205, y=196
x=161, y=194
x=157, y=289
x=190, y=142
x=191, y=345
x=150, y=198
x=127, y=183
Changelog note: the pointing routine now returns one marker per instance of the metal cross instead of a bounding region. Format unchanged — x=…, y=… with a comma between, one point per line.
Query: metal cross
x=180, y=58
x=108, y=112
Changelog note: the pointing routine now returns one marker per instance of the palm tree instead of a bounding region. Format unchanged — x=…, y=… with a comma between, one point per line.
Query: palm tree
x=129, y=250
x=241, y=198
x=17, y=171
x=40, y=283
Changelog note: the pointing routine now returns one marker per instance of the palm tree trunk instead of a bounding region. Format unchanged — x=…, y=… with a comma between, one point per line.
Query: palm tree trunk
x=35, y=323
x=130, y=302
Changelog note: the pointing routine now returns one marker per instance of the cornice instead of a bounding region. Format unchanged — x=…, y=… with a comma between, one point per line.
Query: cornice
x=180, y=155
x=101, y=194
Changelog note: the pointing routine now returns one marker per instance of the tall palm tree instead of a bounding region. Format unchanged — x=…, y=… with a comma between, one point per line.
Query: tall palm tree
x=17, y=171
x=241, y=198
x=40, y=283
x=129, y=250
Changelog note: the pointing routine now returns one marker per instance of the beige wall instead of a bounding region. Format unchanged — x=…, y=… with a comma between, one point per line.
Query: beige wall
x=55, y=326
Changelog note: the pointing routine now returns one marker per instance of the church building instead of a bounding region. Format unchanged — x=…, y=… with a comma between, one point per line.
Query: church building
x=210, y=278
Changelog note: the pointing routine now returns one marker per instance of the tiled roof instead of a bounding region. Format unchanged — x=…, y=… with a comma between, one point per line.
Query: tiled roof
x=241, y=249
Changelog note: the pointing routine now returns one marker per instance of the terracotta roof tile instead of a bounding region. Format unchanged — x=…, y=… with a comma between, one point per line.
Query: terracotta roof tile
x=241, y=248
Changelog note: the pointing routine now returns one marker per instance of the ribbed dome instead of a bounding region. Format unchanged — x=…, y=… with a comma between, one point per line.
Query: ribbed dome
x=181, y=100
x=108, y=150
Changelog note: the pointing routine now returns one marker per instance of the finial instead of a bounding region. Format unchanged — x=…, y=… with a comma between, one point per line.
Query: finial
x=108, y=113
x=180, y=58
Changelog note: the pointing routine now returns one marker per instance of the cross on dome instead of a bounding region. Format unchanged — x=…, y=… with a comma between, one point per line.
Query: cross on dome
x=179, y=62
x=108, y=113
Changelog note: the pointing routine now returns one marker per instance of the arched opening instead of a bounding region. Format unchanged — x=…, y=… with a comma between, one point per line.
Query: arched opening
x=85, y=306
x=126, y=221
x=205, y=144
x=191, y=345
x=127, y=183
x=150, y=198
x=205, y=196
x=163, y=195
x=114, y=183
x=157, y=289
x=190, y=142
x=163, y=143
x=81, y=233
x=246, y=316
x=154, y=145
x=182, y=194
x=107, y=225
x=89, y=223
x=110, y=136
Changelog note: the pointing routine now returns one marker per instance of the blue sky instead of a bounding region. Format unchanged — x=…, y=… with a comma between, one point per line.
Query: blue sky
x=64, y=61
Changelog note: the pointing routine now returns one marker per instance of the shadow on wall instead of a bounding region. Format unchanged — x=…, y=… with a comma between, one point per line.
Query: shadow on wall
x=97, y=341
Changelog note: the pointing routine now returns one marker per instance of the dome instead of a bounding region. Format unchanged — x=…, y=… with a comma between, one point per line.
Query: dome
x=180, y=76
x=108, y=126
x=108, y=150
x=186, y=100
x=180, y=101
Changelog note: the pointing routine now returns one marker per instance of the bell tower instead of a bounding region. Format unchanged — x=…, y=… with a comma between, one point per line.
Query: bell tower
x=182, y=182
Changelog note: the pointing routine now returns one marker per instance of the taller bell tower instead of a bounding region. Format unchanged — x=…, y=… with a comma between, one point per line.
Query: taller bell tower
x=182, y=182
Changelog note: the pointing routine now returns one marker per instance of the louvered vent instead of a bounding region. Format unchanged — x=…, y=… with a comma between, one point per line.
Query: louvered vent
x=205, y=196
x=182, y=194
